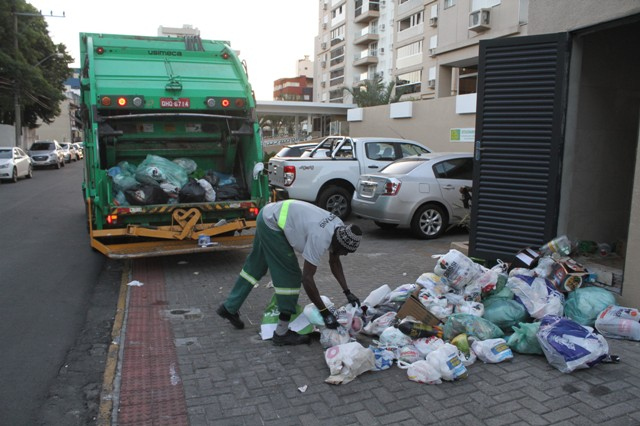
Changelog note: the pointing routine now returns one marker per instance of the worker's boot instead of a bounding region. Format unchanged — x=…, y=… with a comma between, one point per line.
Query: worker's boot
x=234, y=319
x=291, y=338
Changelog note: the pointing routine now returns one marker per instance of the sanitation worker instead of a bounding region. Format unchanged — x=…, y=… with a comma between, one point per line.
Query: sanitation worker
x=283, y=228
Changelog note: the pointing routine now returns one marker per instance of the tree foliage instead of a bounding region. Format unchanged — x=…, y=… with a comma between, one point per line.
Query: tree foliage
x=37, y=69
x=373, y=92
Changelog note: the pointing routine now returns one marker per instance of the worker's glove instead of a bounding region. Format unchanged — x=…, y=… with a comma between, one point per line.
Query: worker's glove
x=330, y=320
x=352, y=298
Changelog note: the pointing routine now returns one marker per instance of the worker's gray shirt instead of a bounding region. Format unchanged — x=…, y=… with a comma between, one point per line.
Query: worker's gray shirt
x=309, y=229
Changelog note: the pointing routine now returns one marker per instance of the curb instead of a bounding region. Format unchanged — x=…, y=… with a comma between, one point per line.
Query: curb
x=105, y=410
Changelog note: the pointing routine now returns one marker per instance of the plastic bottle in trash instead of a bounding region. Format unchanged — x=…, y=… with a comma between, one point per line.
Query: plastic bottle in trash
x=560, y=245
x=416, y=330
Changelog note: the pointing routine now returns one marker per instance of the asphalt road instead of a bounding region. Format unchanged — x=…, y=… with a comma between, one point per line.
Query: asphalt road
x=48, y=275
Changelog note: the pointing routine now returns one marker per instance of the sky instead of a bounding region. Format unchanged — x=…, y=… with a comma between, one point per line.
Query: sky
x=270, y=35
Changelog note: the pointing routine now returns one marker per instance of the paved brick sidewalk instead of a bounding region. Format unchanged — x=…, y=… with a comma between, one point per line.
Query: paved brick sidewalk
x=232, y=377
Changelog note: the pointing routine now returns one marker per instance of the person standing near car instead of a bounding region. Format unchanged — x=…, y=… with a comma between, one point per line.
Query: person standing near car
x=282, y=229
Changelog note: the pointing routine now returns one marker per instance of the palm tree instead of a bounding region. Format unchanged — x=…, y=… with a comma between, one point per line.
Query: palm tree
x=373, y=92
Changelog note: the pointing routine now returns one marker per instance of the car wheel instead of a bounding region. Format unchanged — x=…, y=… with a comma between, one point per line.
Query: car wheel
x=30, y=172
x=429, y=222
x=336, y=200
x=383, y=225
x=14, y=175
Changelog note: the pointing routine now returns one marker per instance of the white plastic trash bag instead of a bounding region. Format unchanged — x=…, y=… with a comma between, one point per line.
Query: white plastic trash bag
x=377, y=296
x=348, y=361
x=409, y=353
x=568, y=345
x=334, y=337
x=445, y=359
x=492, y=351
x=619, y=323
x=457, y=270
x=537, y=294
x=425, y=345
x=423, y=372
x=378, y=325
x=392, y=336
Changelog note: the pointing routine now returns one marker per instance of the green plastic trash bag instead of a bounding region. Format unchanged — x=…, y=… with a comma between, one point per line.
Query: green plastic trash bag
x=524, y=340
x=298, y=323
x=584, y=304
x=504, y=313
x=472, y=325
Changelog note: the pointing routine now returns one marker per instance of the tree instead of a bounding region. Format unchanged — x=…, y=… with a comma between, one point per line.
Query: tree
x=37, y=69
x=373, y=92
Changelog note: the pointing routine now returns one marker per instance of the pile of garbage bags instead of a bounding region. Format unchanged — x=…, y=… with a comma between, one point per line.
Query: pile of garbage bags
x=157, y=180
x=486, y=314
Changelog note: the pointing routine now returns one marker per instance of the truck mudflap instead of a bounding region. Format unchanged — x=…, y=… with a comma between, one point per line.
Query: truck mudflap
x=136, y=241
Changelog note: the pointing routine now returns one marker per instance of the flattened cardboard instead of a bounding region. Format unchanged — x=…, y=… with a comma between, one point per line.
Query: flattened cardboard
x=412, y=307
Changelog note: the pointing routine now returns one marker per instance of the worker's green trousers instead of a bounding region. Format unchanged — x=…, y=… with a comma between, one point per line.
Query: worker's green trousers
x=271, y=251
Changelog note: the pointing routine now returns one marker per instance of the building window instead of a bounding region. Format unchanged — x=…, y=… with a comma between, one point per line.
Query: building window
x=467, y=80
x=337, y=34
x=336, y=96
x=449, y=3
x=337, y=77
x=410, y=50
x=411, y=21
x=337, y=56
x=409, y=82
x=337, y=12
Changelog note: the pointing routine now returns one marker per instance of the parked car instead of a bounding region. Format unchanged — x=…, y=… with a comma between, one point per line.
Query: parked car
x=14, y=164
x=70, y=152
x=47, y=153
x=296, y=150
x=79, y=150
x=427, y=193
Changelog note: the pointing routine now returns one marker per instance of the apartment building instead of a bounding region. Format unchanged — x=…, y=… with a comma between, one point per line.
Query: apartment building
x=429, y=48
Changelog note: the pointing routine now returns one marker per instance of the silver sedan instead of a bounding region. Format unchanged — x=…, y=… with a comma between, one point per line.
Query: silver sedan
x=427, y=193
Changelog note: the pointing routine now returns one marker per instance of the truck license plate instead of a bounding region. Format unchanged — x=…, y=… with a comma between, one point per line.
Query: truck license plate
x=175, y=103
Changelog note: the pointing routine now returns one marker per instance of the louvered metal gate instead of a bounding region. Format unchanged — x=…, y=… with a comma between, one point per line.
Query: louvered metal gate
x=522, y=88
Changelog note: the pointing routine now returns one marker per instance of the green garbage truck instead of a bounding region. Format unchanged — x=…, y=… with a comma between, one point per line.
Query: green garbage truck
x=173, y=154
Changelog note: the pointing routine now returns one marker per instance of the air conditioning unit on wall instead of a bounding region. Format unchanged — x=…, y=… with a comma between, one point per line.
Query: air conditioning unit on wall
x=432, y=51
x=323, y=45
x=433, y=21
x=431, y=84
x=480, y=20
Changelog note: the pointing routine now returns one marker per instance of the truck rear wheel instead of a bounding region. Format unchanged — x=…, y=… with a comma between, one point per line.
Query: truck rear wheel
x=336, y=200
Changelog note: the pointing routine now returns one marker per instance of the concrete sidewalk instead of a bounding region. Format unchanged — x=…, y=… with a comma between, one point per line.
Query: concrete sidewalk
x=180, y=364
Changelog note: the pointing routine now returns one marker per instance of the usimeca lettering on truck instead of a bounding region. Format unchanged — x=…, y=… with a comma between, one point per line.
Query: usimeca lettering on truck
x=172, y=145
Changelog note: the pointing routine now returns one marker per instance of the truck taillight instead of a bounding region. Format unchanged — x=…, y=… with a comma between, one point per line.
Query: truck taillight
x=391, y=187
x=289, y=174
x=121, y=101
x=112, y=219
x=253, y=211
x=225, y=103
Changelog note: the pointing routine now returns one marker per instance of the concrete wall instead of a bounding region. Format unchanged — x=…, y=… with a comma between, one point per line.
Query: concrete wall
x=59, y=130
x=552, y=16
x=430, y=125
x=7, y=135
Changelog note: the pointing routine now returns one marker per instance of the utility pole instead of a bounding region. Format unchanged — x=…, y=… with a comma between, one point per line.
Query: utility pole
x=17, y=124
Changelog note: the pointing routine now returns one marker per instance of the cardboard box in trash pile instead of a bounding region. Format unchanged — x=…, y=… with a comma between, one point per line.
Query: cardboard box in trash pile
x=412, y=307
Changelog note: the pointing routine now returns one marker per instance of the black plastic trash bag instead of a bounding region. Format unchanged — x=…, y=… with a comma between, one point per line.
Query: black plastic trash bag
x=191, y=192
x=145, y=195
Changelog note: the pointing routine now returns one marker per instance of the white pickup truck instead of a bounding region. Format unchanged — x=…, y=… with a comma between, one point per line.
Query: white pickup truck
x=328, y=175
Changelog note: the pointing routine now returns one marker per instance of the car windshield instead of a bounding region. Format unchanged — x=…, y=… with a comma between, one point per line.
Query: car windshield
x=42, y=146
x=5, y=153
x=403, y=166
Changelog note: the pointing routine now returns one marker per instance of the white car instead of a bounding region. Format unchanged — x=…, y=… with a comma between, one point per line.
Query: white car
x=427, y=193
x=14, y=164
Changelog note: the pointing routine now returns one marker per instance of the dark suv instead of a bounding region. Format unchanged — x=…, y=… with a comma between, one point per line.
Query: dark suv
x=47, y=153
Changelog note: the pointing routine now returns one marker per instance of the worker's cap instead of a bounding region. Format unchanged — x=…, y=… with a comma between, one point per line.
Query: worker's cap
x=349, y=237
